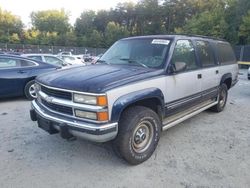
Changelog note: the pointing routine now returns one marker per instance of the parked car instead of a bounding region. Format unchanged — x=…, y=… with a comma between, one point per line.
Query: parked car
x=248, y=73
x=72, y=60
x=87, y=57
x=138, y=88
x=64, y=53
x=95, y=58
x=47, y=58
x=17, y=75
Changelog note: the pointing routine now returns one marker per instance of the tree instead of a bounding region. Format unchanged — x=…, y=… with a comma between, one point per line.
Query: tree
x=85, y=23
x=114, y=32
x=11, y=27
x=207, y=23
x=244, y=31
x=51, y=21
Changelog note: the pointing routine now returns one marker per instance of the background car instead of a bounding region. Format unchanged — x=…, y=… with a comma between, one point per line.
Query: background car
x=248, y=73
x=48, y=58
x=95, y=58
x=17, y=75
x=72, y=60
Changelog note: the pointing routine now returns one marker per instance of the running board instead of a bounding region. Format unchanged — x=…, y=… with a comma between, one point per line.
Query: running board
x=169, y=122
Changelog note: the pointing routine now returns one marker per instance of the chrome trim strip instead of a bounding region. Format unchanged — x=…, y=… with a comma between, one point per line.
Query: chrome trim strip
x=72, y=91
x=171, y=124
x=71, y=104
x=75, y=117
x=75, y=123
x=183, y=101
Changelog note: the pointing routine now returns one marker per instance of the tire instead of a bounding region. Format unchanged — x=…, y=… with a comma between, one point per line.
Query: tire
x=138, y=134
x=223, y=93
x=29, y=90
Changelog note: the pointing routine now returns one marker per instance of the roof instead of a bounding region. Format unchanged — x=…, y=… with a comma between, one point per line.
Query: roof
x=173, y=37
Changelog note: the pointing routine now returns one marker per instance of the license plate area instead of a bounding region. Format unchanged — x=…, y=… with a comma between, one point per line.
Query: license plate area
x=46, y=125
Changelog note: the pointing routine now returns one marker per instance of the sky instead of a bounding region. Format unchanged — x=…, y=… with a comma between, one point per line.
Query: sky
x=23, y=8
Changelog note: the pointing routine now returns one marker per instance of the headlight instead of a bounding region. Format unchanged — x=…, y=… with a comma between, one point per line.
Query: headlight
x=93, y=100
x=99, y=116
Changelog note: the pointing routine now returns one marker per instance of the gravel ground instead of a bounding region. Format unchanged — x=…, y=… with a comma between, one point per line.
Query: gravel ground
x=208, y=150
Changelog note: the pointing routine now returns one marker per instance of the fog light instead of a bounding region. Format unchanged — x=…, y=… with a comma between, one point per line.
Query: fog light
x=87, y=115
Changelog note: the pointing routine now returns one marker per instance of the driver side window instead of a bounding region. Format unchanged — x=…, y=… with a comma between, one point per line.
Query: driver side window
x=184, y=53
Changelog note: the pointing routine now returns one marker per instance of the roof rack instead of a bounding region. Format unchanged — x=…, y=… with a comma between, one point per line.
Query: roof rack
x=201, y=36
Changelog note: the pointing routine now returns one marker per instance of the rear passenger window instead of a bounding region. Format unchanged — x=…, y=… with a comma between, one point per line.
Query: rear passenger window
x=184, y=53
x=205, y=53
x=225, y=53
x=38, y=58
x=26, y=63
x=8, y=63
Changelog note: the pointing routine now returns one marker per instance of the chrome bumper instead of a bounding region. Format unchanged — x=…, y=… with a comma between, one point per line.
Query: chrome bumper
x=89, y=131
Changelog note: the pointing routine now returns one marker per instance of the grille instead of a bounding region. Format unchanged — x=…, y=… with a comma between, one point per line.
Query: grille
x=57, y=93
x=58, y=108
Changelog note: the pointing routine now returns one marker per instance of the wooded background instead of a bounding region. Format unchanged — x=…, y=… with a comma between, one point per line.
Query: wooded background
x=227, y=19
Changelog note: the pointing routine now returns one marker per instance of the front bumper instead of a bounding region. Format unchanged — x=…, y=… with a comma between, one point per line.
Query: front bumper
x=69, y=127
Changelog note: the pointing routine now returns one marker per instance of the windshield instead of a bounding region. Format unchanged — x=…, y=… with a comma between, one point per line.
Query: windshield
x=142, y=52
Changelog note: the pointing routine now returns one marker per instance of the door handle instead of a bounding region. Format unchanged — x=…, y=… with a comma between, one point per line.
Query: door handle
x=217, y=71
x=199, y=76
x=21, y=71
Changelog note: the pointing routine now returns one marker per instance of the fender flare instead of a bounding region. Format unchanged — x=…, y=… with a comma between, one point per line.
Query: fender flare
x=124, y=101
x=224, y=77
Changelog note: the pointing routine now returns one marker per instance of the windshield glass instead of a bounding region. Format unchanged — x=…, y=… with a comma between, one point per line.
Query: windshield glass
x=142, y=52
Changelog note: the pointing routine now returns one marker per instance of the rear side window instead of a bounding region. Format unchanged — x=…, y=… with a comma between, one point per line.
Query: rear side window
x=25, y=63
x=205, y=53
x=38, y=58
x=225, y=53
x=8, y=63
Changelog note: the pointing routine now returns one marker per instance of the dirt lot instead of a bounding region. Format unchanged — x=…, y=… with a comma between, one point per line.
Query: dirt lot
x=209, y=150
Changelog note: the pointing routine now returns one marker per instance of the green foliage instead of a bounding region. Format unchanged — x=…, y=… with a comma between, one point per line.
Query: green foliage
x=114, y=32
x=207, y=23
x=11, y=27
x=51, y=21
x=245, y=28
x=228, y=19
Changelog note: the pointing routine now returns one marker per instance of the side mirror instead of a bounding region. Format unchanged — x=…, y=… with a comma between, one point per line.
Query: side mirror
x=177, y=67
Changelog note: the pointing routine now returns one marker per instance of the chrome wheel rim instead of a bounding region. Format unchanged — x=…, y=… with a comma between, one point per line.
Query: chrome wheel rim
x=142, y=136
x=32, y=91
x=222, y=98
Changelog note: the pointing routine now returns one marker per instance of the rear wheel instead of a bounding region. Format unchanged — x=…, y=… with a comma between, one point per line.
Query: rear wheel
x=138, y=135
x=30, y=91
x=223, y=92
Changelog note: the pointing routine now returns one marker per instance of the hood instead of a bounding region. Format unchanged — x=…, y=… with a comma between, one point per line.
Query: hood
x=96, y=78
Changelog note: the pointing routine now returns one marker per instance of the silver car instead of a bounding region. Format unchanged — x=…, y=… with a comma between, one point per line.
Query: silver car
x=47, y=58
x=248, y=73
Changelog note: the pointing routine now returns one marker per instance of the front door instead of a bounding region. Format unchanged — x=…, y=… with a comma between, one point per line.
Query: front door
x=183, y=88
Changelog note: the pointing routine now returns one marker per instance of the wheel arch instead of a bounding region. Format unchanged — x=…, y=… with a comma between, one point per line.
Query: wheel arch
x=152, y=98
x=227, y=79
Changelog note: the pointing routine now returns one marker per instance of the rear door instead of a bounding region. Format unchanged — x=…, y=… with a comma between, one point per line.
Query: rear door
x=210, y=70
x=14, y=73
x=183, y=88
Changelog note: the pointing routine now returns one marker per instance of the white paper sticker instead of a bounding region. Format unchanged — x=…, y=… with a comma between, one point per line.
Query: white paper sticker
x=160, y=41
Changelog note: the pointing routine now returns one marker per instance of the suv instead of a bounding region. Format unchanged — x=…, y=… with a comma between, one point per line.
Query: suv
x=138, y=88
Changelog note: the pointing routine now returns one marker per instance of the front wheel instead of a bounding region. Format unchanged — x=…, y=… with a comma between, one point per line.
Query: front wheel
x=222, y=99
x=138, y=135
x=29, y=90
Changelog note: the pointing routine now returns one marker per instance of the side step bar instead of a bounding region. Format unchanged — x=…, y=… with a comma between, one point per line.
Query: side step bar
x=167, y=123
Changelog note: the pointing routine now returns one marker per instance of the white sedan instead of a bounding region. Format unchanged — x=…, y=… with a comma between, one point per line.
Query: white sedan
x=73, y=60
x=248, y=73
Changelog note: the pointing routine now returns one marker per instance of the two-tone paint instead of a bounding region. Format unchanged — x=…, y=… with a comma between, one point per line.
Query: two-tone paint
x=164, y=92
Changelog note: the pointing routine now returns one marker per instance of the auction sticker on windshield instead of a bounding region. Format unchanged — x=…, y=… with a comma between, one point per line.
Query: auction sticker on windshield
x=160, y=41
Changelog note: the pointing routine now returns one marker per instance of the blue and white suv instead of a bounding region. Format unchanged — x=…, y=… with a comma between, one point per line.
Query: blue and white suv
x=138, y=88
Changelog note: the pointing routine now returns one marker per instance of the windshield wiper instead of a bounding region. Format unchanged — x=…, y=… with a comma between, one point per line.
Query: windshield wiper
x=133, y=61
x=102, y=61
